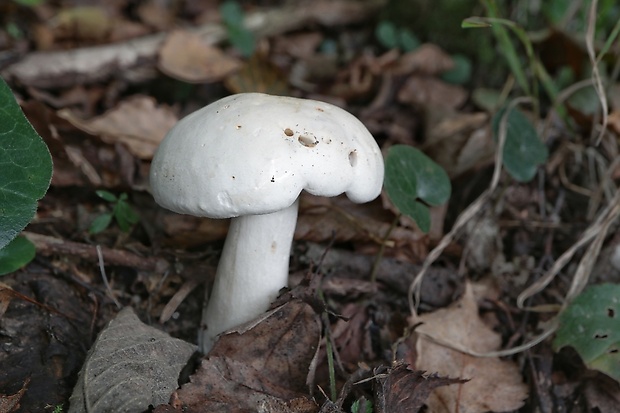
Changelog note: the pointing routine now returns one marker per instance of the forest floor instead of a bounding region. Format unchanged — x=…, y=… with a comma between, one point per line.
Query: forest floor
x=102, y=83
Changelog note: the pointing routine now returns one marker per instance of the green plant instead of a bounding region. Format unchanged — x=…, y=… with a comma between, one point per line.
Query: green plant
x=461, y=72
x=361, y=406
x=395, y=37
x=523, y=150
x=413, y=181
x=124, y=215
x=25, y=175
x=591, y=325
x=239, y=36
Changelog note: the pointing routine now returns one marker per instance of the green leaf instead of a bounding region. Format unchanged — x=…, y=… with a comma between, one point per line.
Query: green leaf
x=461, y=72
x=106, y=196
x=475, y=23
x=387, y=34
x=232, y=13
x=25, y=167
x=591, y=325
x=16, y=254
x=100, y=223
x=408, y=41
x=125, y=216
x=523, y=150
x=242, y=39
x=411, y=175
x=487, y=99
x=363, y=406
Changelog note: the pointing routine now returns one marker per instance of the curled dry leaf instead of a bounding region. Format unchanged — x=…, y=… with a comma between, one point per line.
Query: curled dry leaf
x=402, y=390
x=266, y=363
x=458, y=141
x=130, y=366
x=137, y=122
x=429, y=91
x=494, y=385
x=186, y=56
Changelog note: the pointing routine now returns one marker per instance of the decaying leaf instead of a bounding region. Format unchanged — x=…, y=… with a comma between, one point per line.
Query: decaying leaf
x=428, y=59
x=10, y=403
x=430, y=91
x=458, y=142
x=402, y=390
x=263, y=367
x=137, y=122
x=494, y=385
x=186, y=56
x=130, y=367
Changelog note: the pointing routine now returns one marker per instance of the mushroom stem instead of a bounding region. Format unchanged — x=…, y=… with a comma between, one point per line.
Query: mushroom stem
x=253, y=269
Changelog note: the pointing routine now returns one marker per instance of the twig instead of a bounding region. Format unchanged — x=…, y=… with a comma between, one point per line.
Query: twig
x=47, y=246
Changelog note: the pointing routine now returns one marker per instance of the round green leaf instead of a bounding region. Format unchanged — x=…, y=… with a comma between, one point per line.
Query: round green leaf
x=25, y=167
x=591, y=325
x=387, y=34
x=461, y=72
x=231, y=12
x=411, y=175
x=16, y=254
x=408, y=40
x=523, y=150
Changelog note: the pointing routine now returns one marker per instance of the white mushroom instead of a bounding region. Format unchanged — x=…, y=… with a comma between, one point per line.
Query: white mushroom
x=248, y=156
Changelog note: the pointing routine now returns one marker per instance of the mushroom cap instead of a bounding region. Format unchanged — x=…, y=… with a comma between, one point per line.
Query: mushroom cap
x=252, y=153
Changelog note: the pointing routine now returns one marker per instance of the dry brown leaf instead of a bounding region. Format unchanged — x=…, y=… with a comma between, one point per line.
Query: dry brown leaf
x=266, y=363
x=130, y=366
x=137, y=122
x=301, y=45
x=494, y=385
x=186, y=56
x=429, y=91
x=402, y=390
x=458, y=141
x=257, y=75
x=428, y=59
x=614, y=121
x=82, y=23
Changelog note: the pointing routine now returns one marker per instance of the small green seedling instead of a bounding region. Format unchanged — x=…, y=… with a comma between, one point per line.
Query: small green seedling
x=461, y=72
x=591, y=325
x=122, y=212
x=413, y=181
x=238, y=35
x=361, y=406
x=391, y=36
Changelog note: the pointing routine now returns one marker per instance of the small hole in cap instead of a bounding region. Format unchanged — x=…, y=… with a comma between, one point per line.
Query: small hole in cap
x=353, y=158
x=307, y=141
